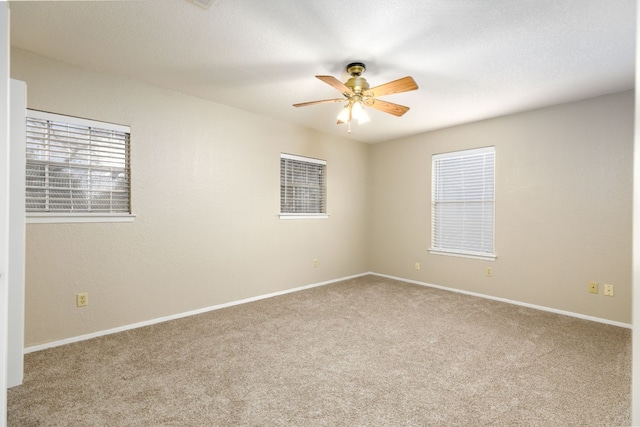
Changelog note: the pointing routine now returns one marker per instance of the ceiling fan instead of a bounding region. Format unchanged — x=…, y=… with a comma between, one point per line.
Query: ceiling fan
x=357, y=95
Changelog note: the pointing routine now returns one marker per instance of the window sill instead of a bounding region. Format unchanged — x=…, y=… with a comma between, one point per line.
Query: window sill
x=303, y=216
x=471, y=255
x=48, y=218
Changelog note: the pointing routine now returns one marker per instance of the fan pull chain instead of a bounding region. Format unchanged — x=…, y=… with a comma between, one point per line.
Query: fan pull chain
x=349, y=126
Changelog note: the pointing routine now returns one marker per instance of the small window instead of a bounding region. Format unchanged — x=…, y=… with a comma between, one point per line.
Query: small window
x=462, y=203
x=302, y=187
x=77, y=170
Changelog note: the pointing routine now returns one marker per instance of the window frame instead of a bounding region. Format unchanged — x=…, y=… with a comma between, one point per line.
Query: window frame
x=81, y=217
x=305, y=215
x=459, y=251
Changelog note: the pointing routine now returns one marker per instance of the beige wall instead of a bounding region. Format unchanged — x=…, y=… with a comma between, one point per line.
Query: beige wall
x=563, y=207
x=205, y=189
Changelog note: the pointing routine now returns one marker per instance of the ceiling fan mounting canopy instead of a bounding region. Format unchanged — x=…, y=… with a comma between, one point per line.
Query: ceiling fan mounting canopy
x=356, y=68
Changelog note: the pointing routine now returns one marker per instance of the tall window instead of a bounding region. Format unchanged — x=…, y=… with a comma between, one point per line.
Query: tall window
x=302, y=187
x=462, y=203
x=76, y=167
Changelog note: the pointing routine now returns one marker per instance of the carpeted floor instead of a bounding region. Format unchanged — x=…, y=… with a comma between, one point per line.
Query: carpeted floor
x=364, y=352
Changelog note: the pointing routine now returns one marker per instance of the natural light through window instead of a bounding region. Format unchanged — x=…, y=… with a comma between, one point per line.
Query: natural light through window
x=462, y=203
x=76, y=168
x=302, y=187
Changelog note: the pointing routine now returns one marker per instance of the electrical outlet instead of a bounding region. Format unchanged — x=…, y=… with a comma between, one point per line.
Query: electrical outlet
x=593, y=287
x=82, y=299
x=608, y=290
x=489, y=272
x=315, y=263
x=417, y=266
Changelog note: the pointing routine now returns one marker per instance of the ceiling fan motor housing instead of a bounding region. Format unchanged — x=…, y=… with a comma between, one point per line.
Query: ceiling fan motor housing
x=357, y=83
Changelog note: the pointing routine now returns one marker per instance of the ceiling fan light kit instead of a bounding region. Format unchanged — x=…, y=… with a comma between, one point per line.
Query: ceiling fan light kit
x=357, y=94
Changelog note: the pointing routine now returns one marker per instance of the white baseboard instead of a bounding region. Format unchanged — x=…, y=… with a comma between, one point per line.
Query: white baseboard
x=179, y=315
x=301, y=288
x=508, y=301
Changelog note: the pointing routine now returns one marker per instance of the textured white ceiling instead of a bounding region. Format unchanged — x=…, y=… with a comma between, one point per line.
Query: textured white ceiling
x=473, y=59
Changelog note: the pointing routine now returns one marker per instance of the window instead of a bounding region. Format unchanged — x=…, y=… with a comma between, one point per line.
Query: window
x=462, y=203
x=77, y=170
x=302, y=187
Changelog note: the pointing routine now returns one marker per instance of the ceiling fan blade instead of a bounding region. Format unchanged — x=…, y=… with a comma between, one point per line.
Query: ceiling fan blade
x=335, y=83
x=388, y=107
x=404, y=84
x=324, y=101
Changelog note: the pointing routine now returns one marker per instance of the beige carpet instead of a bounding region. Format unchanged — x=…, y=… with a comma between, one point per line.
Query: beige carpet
x=364, y=352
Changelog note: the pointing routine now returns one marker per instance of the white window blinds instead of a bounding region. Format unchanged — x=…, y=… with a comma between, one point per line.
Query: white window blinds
x=76, y=165
x=463, y=203
x=302, y=186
